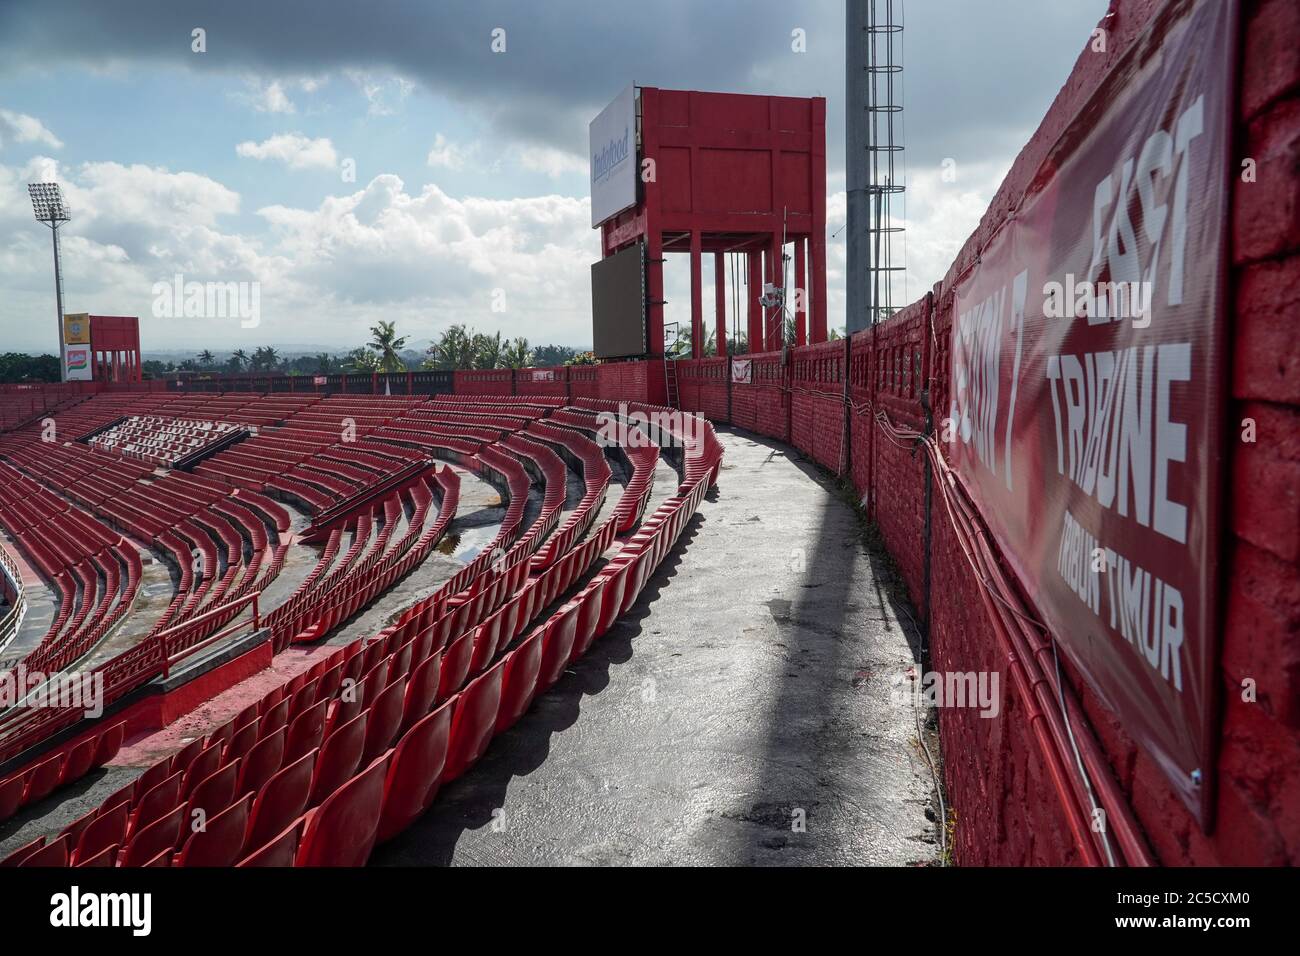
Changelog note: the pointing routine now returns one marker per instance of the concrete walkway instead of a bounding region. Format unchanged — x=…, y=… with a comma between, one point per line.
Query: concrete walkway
x=745, y=712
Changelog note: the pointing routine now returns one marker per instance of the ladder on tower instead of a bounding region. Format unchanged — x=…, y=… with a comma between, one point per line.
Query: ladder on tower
x=671, y=353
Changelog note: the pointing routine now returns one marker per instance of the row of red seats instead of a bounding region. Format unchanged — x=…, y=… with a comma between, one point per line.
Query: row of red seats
x=381, y=750
x=66, y=765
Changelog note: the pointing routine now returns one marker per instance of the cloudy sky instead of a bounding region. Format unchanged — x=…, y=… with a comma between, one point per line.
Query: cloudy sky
x=470, y=169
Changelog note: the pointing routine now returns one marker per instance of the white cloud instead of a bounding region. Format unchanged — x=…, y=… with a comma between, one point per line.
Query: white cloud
x=21, y=128
x=270, y=98
x=293, y=149
x=448, y=155
x=377, y=92
x=550, y=161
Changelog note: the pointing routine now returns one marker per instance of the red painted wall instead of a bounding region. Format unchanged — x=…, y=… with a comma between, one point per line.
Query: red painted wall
x=1006, y=810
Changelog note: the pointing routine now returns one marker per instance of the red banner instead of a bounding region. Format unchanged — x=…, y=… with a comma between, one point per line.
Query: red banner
x=1087, y=385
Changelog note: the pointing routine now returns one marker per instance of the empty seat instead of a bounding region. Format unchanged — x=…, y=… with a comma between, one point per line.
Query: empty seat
x=280, y=850
x=307, y=731
x=413, y=775
x=155, y=804
x=340, y=756
x=221, y=842
x=52, y=854
x=266, y=757
x=282, y=799
x=217, y=792
x=158, y=837
x=473, y=722
x=385, y=719
x=342, y=830
x=42, y=779
x=421, y=690
x=107, y=829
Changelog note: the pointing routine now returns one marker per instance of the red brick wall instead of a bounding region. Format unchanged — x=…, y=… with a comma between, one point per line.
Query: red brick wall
x=1006, y=810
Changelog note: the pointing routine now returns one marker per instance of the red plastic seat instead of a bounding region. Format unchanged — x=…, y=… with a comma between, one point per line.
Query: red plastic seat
x=342, y=830
x=11, y=795
x=455, y=665
x=421, y=690
x=110, y=742
x=558, y=641
x=242, y=742
x=221, y=842
x=107, y=829
x=279, y=850
x=23, y=852
x=282, y=799
x=104, y=857
x=155, y=804
x=186, y=755
x=214, y=794
x=266, y=757
x=413, y=775
x=52, y=854
x=276, y=716
x=158, y=837
x=42, y=780
x=339, y=758
x=205, y=765
x=306, y=732
x=473, y=722
x=385, y=720
x=80, y=759
x=153, y=775
x=519, y=681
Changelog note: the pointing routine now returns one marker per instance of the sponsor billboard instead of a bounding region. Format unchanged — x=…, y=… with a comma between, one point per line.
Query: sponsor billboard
x=76, y=328
x=1087, y=385
x=618, y=319
x=76, y=363
x=613, y=157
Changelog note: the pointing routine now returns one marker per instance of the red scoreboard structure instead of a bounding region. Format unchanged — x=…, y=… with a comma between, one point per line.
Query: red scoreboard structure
x=717, y=173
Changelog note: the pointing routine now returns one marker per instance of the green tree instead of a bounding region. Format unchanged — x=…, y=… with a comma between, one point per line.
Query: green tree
x=545, y=355
x=582, y=358
x=265, y=359
x=487, y=350
x=385, y=342
x=454, y=349
x=238, y=360
x=206, y=359
x=361, y=360
x=516, y=354
x=21, y=367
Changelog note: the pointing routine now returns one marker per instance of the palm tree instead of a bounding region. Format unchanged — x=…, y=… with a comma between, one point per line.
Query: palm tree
x=205, y=359
x=239, y=360
x=516, y=354
x=453, y=350
x=487, y=350
x=324, y=363
x=265, y=359
x=386, y=343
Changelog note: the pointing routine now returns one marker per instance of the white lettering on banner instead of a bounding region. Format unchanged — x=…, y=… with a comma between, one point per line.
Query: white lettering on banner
x=976, y=361
x=1146, y=611
x=1114, y=435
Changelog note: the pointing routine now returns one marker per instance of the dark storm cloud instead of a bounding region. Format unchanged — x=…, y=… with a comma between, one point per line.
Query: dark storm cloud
x=979, y=73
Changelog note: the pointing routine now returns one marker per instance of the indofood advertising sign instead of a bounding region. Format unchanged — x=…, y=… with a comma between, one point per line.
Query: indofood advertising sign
x=1087, y=385
x=613, y=158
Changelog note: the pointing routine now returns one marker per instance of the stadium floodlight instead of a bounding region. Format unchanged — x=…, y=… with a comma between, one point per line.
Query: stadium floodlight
x=48, y=205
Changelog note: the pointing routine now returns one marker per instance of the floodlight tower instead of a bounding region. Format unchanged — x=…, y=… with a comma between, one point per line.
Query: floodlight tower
x=47, y=204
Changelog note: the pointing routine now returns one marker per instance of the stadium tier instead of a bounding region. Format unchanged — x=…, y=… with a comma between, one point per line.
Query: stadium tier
x=215, y=495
